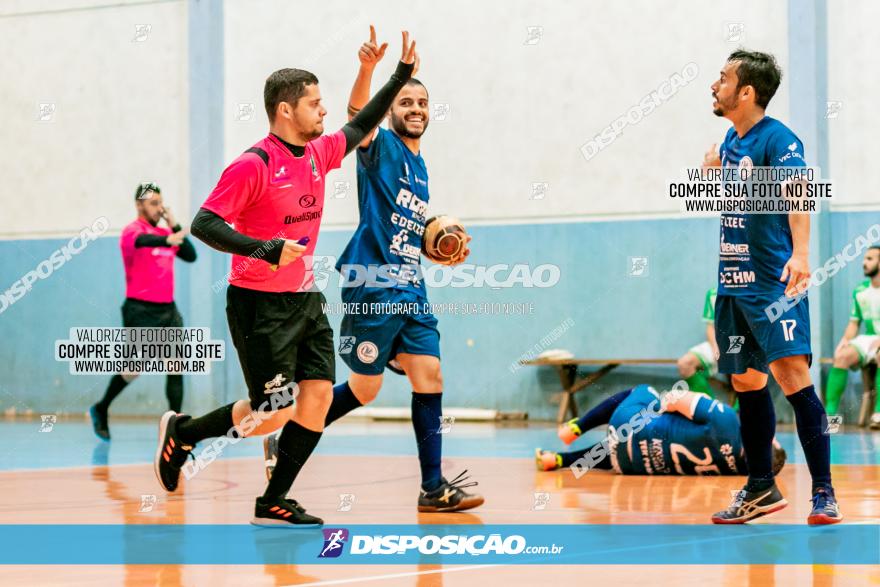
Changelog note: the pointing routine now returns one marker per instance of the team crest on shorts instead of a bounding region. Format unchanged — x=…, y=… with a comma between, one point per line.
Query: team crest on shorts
x=346, y=344
x=367, y=352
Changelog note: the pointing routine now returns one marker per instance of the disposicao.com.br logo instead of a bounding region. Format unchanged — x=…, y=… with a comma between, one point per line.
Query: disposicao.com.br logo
x=450, y=544
x=334, y=542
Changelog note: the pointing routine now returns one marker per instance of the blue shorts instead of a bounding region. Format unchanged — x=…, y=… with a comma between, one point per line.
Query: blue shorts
x=640, y=397
x=380, y=323
x=748, y=339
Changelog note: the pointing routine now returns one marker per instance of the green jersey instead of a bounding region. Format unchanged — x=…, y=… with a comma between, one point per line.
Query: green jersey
x=709, y=306
x=866, y=307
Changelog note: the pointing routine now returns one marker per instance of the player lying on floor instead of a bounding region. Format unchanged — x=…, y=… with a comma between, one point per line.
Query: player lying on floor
x=680, y=433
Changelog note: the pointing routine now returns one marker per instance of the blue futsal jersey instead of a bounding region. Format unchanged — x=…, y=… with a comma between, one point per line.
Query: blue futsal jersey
x=393, y=200
x=672, y=444
x=755, y=247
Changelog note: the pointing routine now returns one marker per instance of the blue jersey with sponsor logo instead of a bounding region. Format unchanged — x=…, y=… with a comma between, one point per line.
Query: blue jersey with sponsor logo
x=755, y=247
x=672, y=444
x=392, y=199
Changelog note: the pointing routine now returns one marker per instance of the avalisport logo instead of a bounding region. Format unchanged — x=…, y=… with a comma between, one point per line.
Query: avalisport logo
x=307, y=200
x=304, y=217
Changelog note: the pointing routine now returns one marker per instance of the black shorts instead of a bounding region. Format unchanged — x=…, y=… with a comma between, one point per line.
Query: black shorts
x=141, y=314
x=280, y=338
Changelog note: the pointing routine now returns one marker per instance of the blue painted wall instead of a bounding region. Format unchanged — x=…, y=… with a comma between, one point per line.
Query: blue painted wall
x=613, y=313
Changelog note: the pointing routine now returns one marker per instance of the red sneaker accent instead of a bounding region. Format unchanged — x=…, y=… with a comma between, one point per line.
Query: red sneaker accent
x=822, y=519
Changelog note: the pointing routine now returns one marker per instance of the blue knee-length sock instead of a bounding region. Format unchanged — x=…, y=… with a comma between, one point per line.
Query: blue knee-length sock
x=570, y=458
x=601, y=414
x=344, y=401
x=758, y=424
x=809, y=415
x=426, y=413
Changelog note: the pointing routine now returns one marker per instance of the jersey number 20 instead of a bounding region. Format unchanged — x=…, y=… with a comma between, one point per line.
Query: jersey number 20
x=701, y=466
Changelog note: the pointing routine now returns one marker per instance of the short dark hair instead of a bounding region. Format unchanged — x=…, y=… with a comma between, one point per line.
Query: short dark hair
x=874, y=247
x=758, y=70
x=286, y=85
x=414, y=82
x=143, y=188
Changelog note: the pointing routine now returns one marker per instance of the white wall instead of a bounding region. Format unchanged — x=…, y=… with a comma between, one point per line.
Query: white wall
x=519, y=113
x=120, y=113
x=853, y=47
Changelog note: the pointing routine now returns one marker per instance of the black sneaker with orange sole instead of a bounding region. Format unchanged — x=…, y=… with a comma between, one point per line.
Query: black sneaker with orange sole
x=171, y=453
x=286, y=513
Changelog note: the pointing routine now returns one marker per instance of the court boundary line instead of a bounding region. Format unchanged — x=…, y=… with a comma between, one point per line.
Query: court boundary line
x=398, y=575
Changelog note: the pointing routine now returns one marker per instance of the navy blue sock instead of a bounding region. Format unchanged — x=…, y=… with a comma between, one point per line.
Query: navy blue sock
x=570, y=458
x=426, y=412
x=601, y=414
x=811, y=423
x=344, y=401
x=758, y=425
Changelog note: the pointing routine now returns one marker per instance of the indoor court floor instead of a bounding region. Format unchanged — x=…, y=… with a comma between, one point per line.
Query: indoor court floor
x=66, y=477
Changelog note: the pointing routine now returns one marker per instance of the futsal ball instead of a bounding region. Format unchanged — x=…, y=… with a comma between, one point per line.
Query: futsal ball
x=444, y=239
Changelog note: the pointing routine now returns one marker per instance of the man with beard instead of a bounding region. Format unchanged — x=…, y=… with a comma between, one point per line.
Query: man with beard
x=266, y=209
x=148, y=253
x=763, y=256
x=386, y=322
x=854, y=350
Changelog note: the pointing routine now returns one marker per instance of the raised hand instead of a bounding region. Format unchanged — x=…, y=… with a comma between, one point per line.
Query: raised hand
x=408, y=54
x=168, y=217
x=370, y=53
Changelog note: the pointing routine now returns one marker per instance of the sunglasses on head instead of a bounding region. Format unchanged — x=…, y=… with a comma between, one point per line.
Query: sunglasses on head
x=146, y=187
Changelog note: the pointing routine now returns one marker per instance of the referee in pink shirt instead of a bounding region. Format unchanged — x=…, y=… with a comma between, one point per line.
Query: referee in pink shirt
x=148, y=252
x=266, y=210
